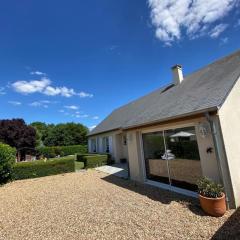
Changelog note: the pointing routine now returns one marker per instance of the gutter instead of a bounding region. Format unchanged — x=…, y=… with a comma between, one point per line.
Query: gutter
x=217, y=151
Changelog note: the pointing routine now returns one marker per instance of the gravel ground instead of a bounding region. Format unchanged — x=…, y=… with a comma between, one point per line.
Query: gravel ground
x=93, y=205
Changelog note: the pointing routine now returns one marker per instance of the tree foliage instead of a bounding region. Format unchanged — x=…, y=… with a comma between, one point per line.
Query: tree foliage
x=7, y=159
x=42, y=130
x=17, y=133
x=66, y=134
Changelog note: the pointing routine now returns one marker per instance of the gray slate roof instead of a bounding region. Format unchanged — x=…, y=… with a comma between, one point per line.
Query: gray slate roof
x=205, y=89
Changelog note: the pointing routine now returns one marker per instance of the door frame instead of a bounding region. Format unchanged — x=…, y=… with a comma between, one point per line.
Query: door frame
x=159, y=184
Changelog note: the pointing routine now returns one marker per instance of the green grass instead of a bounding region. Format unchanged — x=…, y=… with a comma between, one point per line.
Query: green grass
x=78, y=165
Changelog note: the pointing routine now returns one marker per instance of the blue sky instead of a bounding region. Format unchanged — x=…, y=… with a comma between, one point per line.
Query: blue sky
x=64, y=61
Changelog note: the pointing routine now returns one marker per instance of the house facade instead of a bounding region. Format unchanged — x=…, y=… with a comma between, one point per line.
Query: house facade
x=179, y=133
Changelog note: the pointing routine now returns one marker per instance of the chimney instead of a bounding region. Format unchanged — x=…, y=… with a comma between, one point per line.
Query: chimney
x=177, y=74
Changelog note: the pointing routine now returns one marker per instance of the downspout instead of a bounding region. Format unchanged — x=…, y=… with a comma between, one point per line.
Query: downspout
x=216, y=146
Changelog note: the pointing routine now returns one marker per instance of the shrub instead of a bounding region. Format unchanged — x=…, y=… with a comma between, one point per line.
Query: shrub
x=40, y=168
x=7, y=159
x=51, y=152
x=208, y=188
x=93, y=160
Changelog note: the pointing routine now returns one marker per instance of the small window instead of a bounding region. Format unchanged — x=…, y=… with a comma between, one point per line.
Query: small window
x=124, y=140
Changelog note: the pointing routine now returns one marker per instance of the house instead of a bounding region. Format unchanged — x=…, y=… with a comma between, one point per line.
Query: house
x=178, y=133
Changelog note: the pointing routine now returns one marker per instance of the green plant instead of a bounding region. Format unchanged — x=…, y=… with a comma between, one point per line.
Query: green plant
x=40, y=168
x=51, y=152
x=7, y=159
x=208, y=188
x=93, y=160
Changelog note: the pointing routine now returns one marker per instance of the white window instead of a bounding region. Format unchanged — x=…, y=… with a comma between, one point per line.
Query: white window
x=105, y=144
x=93, y=145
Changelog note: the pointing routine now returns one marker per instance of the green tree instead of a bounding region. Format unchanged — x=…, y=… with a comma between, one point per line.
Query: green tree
x=66, y=134
x=42, y=130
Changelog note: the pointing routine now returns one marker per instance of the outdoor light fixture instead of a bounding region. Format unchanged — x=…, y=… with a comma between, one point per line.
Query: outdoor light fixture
x=203, y=130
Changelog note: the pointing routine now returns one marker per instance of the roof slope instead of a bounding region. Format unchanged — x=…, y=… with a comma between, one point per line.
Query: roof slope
x=204, y=89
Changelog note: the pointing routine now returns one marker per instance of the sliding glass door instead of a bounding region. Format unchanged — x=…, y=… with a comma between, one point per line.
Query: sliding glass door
x=172, y=157
x=154, y=149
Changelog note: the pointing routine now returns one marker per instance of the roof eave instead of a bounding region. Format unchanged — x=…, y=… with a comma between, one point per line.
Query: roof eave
x=212, y=109
x=107, y=131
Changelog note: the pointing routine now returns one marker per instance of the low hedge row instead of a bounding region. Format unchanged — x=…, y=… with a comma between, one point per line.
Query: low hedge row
x=51, y=152
x=94, y=160
x=40, y=168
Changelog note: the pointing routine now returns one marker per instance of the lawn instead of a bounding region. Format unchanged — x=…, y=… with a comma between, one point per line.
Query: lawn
x=92, y=205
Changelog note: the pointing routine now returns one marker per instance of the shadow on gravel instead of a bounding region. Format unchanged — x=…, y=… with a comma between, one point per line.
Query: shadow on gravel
x=230, y=229
x=157, y=194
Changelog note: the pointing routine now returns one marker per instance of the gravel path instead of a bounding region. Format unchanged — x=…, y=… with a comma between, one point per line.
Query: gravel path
x=93, y=205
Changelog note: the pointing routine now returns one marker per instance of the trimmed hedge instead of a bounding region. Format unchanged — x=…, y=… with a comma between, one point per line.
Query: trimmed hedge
x=7, y=159
x=40, y=168
x=51, y=152
x=93, y=160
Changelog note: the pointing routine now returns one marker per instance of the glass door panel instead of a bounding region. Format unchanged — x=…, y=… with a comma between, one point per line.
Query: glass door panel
x=183, y=157
x=154, y=149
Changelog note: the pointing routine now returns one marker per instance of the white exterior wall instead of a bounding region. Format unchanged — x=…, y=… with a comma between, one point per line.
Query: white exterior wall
x=229, y=117
x=114, y=148
x=134, y=156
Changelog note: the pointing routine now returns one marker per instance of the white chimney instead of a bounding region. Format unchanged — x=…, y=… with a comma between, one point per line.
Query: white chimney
x=177, y=74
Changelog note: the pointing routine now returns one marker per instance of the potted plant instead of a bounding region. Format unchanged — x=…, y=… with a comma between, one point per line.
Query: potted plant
x=211, y=196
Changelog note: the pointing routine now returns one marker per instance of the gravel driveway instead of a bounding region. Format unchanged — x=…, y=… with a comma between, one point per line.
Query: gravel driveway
x=93, y=205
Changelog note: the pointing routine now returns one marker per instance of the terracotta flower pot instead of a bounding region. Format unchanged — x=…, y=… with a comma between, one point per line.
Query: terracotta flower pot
x=215, y=207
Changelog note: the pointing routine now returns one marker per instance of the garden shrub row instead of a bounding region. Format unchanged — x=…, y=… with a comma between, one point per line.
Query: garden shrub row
x=41, y=168
x=51, y=152
x=94, y=160
x=7, y=159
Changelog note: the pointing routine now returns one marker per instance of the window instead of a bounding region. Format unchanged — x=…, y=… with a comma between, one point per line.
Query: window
x=172, y=157
x=93, y=145
x=106, y=144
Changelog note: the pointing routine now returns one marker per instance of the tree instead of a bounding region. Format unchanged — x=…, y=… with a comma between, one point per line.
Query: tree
x=43, y=130
x=66, y=134
x=17, y=133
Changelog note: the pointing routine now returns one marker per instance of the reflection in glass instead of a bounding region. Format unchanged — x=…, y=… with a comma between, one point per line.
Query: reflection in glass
x=154, y=149
x=185, y=168
x=173, y=156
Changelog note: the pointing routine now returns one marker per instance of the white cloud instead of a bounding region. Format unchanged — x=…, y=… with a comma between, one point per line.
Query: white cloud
x=84, y=115
x=61, y=111
x=2, y=91
x=80, y=116
x=15, y=103
x=92, y=127
x=85, y=95
x=217, y=30
x=39, y=73
x=33, y=86
x=72, y=107
x=95, y=117
x=224, y=41
x=42, y=103
x=174, y=18
x=44, y=86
